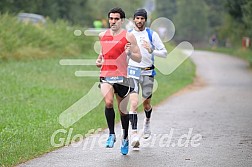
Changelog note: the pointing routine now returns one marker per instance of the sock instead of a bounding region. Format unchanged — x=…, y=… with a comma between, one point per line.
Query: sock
x=133, y=119
x=148, y=113
x=125, y=125
x=110, y=117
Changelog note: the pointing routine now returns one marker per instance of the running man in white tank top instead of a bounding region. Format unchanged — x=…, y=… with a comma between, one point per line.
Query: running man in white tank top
x=143, y=73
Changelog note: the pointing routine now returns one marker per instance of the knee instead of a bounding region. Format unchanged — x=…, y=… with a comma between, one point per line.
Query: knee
x=134, y=103
x=146, y=105
x=108, y=103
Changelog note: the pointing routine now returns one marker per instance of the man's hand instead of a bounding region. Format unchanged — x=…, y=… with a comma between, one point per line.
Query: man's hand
x=147, y=46
x=127, y=48
x=98, y=63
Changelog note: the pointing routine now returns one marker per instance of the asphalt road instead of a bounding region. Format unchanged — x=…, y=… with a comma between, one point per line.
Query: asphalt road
x=208, y=123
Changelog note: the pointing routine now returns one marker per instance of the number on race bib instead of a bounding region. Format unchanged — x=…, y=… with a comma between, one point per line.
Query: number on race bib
x=134, y=72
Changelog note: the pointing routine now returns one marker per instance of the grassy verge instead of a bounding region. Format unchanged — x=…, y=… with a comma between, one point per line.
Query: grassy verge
x=27, y=41
x=34, y=93
x=245, y=54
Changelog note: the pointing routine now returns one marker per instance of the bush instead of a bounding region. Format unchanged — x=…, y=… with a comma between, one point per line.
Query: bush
x=23, y=40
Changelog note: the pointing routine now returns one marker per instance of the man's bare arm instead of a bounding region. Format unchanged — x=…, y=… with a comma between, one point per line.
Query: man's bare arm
x=99, y=58
x=134, y=51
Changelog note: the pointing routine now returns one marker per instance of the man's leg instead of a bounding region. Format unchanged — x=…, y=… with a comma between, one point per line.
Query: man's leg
x=146, y=124
x=147, y=88
x=133, y=111
x=134, y=119
x=147, y=108
x=122, y=107
x=108, y=94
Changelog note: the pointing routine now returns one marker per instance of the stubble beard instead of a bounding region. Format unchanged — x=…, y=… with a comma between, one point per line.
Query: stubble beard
x=140, y=26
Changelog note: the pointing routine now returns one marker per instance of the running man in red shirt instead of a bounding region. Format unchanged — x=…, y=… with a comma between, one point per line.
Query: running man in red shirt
x=117, y=46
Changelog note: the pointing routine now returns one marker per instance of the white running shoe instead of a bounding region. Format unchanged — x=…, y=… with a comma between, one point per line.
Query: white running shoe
x=146, y=129
x=135, y=140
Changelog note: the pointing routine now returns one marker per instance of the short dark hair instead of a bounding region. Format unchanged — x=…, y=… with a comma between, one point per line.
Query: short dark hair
x=140, y=12
x=117, y=10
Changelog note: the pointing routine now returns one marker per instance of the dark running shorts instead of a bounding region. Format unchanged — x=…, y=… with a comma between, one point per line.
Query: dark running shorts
x=122, y=89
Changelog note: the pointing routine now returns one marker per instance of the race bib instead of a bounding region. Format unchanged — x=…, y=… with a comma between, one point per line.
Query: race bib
x=134, y=72
x=118, y=79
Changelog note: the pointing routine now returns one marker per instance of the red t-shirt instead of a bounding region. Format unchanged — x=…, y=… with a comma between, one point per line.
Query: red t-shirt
x=113, y=51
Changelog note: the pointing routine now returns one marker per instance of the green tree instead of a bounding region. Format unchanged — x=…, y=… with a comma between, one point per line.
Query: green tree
x=216, y=12
x=191, y=21
x=72, y=11
x=241, y=19
x=247, y=17
x=235, y=9
x=166, y=8
x=104, y=6
x=98, y=9
x=81, y=12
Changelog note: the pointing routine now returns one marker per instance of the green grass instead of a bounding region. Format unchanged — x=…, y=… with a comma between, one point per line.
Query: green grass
x=245, y=54
x=34, y=93
x=26, y=41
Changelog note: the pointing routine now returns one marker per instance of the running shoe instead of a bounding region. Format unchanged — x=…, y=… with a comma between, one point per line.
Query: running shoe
x=146, y=129
x=125, y=146
x=135, y=140
x=111, y=140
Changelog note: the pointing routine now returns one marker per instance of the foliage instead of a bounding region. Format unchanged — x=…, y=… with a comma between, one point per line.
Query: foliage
x=128, y=6
x=247, y=17
x=166, y=8
x=241, y=15
x=80, y=12
x=195, y=20
x=191, y=21
x=57, y=9
x=216, y=11
x=22, y=40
